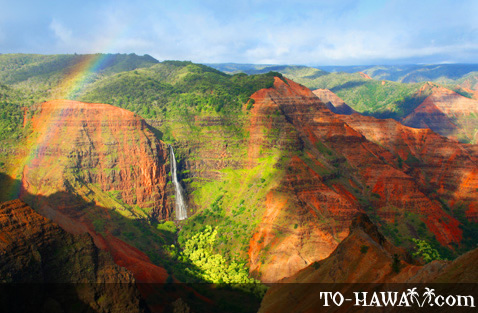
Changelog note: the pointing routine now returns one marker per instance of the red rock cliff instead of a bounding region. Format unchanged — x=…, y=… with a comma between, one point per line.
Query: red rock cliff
x=103, y=153
x=447, y=113
x=342, y=168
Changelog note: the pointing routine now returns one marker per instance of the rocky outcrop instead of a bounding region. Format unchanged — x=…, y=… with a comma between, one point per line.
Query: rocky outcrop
x=35, y=250
x=333, y=102
x=364, y=75
x=303, y=221
x=443, y=168
x=365, y=256
x=447, y=113
x=348, y=164
x=304, y=217
x=101, y=152
x=352, y=262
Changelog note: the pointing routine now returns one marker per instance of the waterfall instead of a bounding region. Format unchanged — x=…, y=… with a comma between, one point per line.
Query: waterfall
x=181, y=212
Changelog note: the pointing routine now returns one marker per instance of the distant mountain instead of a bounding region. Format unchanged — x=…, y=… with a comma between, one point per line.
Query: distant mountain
x=447, y=113
x=41, y=77
x=333, y=102
x=413, y=73
x=16, y=68
x=441, y=73
x=398, y=92
x=382, y=99
x=469, y=83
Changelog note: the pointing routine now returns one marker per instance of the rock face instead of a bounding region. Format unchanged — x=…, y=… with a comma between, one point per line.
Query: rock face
x=304, y=217
x=365, y=256
x=35, y=250
x=442, y=168
x=348, y=164
x=348, y=263
x=93, y=169
x=446, y=113
x=365, y=75
x=333, y=102
x=103, y=153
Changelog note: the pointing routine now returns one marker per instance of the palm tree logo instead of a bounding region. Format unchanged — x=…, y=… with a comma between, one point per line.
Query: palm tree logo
x=428, y=294
x=413, y=294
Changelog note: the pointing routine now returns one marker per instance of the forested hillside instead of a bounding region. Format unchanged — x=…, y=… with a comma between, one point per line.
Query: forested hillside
x=173, y=86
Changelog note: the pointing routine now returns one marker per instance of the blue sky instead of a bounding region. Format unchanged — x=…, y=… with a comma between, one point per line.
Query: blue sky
x=307, y=32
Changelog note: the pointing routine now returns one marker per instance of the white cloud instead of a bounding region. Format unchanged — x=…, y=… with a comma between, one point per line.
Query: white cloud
x=259, y=31
x=61, y=32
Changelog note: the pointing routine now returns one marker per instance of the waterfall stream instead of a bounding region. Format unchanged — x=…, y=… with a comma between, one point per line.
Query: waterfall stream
x=181, y=212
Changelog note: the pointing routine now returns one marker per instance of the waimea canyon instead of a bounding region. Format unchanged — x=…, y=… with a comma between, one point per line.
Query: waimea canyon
x=445, y=112
x=292, y=181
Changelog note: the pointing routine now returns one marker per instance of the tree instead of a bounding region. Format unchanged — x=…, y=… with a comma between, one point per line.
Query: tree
x=213, y=267
x=424, y=251
x=396, y=263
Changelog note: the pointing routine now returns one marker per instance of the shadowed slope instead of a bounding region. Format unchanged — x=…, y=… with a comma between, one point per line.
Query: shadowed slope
x=446, y=113
x=365, y=258
x=35, y=250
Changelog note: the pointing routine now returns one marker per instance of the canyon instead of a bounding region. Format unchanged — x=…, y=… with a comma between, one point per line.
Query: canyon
x=333, y=166
x=315, y=194
x=281, y=175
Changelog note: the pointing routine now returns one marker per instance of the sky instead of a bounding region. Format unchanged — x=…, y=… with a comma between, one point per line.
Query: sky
x=308, y=32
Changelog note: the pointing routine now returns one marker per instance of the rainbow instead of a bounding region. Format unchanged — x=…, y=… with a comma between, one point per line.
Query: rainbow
x=78, y=76
x=81, y=74
x=32, y=153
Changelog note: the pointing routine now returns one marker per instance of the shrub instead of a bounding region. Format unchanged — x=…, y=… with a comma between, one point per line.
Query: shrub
x=396, y=263
x=364, y=249
x=424, y=251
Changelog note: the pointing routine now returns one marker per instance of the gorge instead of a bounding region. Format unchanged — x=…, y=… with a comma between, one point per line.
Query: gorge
x=275, y=180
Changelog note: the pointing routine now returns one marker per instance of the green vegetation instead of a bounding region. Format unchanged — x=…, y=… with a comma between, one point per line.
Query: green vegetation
x=424, y=251
x=213, y=267
x=469, y=228
x=368, y=96
x=37, y=77
x=396, y=264
x=234, y=205
x=167, y=226
x=177, y=88
x=316, y=265
x=412, y=226
x=11, y=113
x=45, y=69
x=364, y=249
